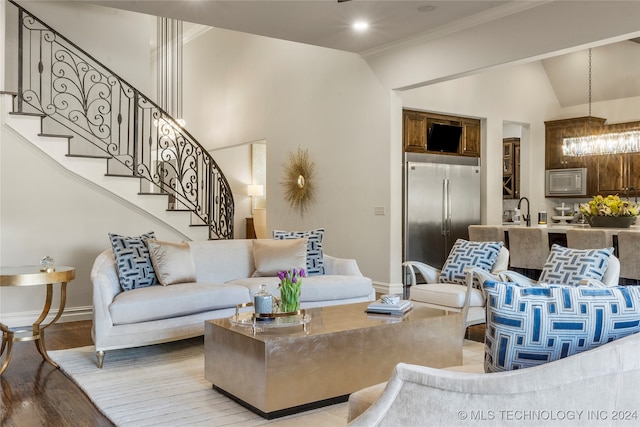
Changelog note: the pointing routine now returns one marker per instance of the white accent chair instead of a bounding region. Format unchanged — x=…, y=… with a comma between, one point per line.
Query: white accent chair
x=605, y=379
x=465, y=299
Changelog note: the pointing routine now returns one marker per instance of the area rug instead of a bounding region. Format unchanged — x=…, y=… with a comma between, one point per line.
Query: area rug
x=164, y=385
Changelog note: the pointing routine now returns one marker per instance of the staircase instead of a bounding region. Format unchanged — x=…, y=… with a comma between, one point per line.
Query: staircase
x=81, y=113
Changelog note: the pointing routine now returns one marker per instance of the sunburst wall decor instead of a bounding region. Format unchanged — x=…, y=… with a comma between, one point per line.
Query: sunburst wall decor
x=298, y=180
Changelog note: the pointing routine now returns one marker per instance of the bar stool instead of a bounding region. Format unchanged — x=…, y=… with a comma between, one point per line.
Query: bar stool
x=486, y=233
x=629, y=255
x=528, y=249
x=589, y=238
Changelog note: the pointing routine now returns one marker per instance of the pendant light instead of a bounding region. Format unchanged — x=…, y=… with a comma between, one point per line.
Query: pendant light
x=608, y=143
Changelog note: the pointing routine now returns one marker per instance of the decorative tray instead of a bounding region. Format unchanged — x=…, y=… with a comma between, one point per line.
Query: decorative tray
x=266, y=321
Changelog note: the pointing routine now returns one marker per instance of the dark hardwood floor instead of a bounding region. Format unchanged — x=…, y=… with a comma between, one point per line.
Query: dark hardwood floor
x=34, y=393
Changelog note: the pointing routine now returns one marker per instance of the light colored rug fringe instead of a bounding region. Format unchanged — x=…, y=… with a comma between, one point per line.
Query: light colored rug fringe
x=164, y=385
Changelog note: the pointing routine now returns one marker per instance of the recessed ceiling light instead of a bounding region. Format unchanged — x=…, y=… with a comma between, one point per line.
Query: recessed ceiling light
x=426, y=8
x=360, y=25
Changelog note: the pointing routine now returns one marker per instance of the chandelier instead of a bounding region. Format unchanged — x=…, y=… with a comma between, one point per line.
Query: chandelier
x=609, y=143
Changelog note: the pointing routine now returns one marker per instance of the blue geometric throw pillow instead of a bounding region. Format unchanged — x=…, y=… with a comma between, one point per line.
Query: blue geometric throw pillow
x=566, y=266
x=465, y=254
x=535, y=325
x=315, y=257
x=133, y=261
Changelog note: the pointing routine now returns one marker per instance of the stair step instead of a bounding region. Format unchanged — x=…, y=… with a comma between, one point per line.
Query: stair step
x=54, y=135
x=120, y=175
x=84, y=156
x=28, y=114
x=8, y=92
x=152, y=194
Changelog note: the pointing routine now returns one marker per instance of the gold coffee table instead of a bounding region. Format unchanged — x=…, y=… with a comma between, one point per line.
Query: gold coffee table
x=277, y=372
x=31, y=276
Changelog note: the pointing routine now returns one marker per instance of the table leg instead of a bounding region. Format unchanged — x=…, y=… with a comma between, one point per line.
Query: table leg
x=39, y=331
x=7, y=344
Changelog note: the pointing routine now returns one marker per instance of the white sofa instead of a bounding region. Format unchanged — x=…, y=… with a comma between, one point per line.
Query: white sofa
x=224, y=270
x=595, y=387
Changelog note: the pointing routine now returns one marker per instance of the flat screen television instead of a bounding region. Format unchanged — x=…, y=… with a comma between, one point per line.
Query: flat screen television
x=444, y=138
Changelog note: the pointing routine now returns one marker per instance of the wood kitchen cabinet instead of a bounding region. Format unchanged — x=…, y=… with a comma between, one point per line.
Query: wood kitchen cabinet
x=606, y=173
x=556, y=130
x=633, y=170
x=416, y=125
x=471, y=138
x=511, y=168
x=414, y=132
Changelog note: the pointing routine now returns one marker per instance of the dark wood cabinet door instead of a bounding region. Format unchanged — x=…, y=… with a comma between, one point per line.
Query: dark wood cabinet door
x=633, y=170
x=611, y=173
x=415, y=131
x=471, y=138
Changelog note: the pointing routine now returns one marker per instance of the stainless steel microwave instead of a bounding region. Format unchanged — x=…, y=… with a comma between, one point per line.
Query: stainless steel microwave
x=566, y=182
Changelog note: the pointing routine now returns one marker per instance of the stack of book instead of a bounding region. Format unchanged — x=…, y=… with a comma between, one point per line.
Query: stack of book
x=399, y=308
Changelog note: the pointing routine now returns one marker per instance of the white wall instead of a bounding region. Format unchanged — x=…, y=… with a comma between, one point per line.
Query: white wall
x=241, y=88
x=96, y=30
x=235, y=163
x=293, y=95
x=238, y=88
x=520, y=94
x=46, y=210
x=540, y=29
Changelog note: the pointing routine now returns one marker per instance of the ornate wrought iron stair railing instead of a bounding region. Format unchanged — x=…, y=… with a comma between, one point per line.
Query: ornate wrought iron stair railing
x=75, y=94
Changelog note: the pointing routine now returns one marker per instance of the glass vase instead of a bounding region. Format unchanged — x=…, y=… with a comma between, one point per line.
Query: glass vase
x=290, y=301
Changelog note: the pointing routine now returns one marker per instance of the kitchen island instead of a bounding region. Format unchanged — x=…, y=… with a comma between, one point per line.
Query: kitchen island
x=559, y=228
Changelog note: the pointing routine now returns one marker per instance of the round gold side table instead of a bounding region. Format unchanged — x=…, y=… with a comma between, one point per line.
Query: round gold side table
x=31, y=275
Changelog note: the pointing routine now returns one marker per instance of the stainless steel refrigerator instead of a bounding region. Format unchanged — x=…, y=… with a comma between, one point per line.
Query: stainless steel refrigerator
x=441, y=199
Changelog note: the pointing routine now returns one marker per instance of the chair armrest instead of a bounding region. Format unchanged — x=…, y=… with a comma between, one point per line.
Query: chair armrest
x=341, y=266
x=429, y=273
x=106, y=287
x=482, y=275
x=513, y=276
x=612, y=275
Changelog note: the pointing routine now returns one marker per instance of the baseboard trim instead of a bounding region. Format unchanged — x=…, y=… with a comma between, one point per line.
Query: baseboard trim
x=70, y=314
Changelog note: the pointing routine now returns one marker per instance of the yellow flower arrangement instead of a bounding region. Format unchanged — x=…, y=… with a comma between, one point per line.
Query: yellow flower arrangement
x=609, y=206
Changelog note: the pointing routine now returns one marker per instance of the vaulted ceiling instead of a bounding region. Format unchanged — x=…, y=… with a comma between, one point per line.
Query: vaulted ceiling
x=327, y=23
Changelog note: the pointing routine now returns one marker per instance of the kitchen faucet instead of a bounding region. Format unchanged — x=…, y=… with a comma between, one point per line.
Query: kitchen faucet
x=527, y=217
x=635, y=191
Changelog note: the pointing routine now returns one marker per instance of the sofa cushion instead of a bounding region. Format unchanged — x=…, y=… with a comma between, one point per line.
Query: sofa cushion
x=446, y=294
x=271, y=256
x=163, y=302
x=464, y=255
x=172, y=262
x=569, y=266
x=529, y=326
x=132, y=260
x=315, y=288
x=218, y=261
x=315, y=257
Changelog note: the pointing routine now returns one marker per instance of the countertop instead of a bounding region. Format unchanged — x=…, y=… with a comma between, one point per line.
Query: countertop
x=562, y=228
